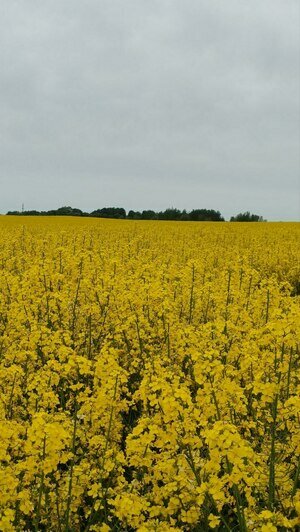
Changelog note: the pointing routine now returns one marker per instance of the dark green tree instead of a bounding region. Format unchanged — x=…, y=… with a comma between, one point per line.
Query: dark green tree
x=247, y=217
x=149, y=215
x=109, y=212
x=170, y=214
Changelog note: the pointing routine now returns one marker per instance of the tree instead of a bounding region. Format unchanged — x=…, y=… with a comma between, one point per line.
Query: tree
x=170, y=214
x=205, y=215
x=197, y=215
x=64, y=211
x=134, y=215
x=247, y=217
x=149, y=215
x=184, y=217
x=109, y=212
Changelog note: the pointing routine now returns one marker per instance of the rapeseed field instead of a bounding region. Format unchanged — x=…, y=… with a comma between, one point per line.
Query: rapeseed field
x=149, y=375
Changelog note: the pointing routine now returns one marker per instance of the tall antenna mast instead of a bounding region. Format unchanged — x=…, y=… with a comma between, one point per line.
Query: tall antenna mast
x=22, y=207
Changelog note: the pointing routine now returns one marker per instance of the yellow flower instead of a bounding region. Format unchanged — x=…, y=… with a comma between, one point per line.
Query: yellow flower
x=148, y=373
x=268, y=527
x=214, y=521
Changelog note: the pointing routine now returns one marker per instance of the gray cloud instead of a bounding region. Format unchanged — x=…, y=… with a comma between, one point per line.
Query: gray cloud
x=148, y=104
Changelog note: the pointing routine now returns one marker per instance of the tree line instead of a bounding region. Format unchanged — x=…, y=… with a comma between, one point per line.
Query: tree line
x=195, y=215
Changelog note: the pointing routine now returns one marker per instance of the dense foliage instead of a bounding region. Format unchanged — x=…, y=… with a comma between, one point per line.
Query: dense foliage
x=246, y=217
x=196, y=215
x=149, y=376
x=199, y=215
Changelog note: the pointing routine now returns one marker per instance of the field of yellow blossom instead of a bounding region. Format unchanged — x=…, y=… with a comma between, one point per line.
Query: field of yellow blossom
x=149, y=375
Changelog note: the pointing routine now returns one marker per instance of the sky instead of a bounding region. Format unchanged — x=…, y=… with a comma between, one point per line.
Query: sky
x=150, y=104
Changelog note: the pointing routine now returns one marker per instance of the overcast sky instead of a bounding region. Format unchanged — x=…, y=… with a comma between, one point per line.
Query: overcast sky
x=151, y=104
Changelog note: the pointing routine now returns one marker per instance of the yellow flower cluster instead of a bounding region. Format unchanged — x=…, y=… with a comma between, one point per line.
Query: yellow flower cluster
x=149, y=375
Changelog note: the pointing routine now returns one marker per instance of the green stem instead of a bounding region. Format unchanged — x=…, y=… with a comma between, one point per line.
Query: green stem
x=94, y=512
x=289, y=374
x=268, y=306
x=295, y=486
x=272, y=457
x=38, y=510
x=191, y=305
x=67, y=518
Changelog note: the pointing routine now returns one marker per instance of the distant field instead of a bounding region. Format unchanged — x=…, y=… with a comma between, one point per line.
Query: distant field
x=149, y=375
